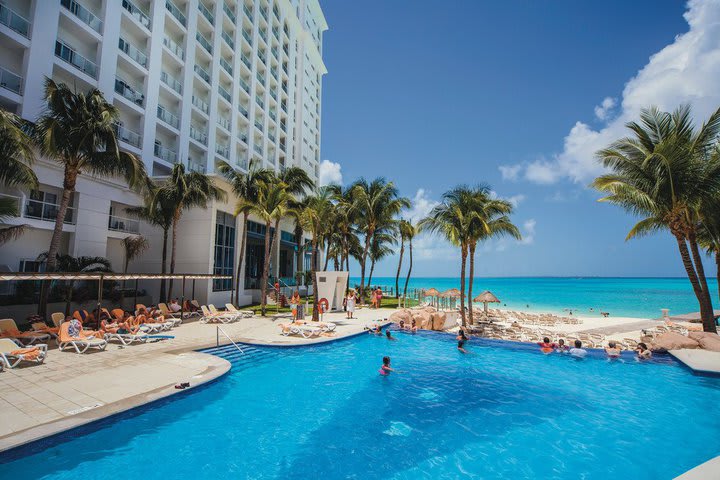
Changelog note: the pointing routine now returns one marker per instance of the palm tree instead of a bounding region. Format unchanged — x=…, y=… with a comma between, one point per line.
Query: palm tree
x=380, y=248
x=77, y=130
x=245, y=188
x=451, y=219
x=663, y=173
x=709, y=229
x=134, y=246
x=404, y=228
x=82, y=264
x=159, y=213
x=184, y=191
x=315, y=217
x=16, y=156
x=345, y=223
x=273, y=203
x=410, y=232
x=375, y=202
x=489, y=219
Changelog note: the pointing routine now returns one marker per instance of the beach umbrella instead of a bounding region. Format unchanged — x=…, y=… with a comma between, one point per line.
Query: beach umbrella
x=451, y=293
x=486, y=297
x=433, y=292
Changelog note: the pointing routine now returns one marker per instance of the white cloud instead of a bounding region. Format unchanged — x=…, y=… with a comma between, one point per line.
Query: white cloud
x=528, y=234
x=514, y=200
x=603, y=111
x=685, y=71
x=330, y=173
x=420, y=206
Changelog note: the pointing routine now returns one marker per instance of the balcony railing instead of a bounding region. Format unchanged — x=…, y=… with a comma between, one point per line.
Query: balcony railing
x=201, y=104
x=122, y=224
x=171, y=82
x=243, y=136
x=168, y=117
x=247, y=35
x=243, y=110
x=40, y=210
x=224, y=93
x=283, y=105
x=263, y=34
x=175, y=11
x=85, y=15
x=248, y=13
x=204, y=42
x=64, y=52
x=228, y=68
x=274, y=72
x=264, y=13
x=196, y=166
x=258, y=148
x=10, y=81
x=224, y=122
x=276, y=32
x=242, y=162
x=206, y=13
x=202, y=72
x=222, y=150
x=273, y=93
x=260, y=102
x=228, y=39
x=128, y=136
x=135, y=96
x=259, y=125
x=246, y=61
x=244, y=85
x=165, y=153
x=198, y=134
x=229, y=12
x=272, y=115
x=133, y=52
x=174, y=47
x=14, y=21
x=137, y=13
x=260, y=78
x=274, y=51
x=271, y=136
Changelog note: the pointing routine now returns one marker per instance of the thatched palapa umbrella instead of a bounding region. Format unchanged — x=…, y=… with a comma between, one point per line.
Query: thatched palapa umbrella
x=486, y=297
x=451, y=293
x=432, y=293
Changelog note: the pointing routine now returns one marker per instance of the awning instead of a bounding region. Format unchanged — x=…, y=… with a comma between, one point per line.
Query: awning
x=5, y=276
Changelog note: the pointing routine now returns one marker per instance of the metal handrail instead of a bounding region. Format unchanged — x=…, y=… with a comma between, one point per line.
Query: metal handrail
x=217, y=339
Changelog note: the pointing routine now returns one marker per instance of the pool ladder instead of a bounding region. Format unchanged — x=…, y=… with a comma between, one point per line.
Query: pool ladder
x=217, y=339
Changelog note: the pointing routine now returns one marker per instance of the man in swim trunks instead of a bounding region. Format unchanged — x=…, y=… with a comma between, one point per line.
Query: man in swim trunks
x=577, y=351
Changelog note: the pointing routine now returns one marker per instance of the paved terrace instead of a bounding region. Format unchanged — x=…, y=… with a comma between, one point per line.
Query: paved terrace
x=69, y=390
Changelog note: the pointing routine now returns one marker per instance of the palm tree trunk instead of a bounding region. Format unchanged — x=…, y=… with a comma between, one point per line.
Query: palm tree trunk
x=241, y=258
x=266, y=270
x=336, y=264
x=470, y=281
x=407, y=279
x=173, y=251
x=717, y=264
x=397, y=275
x=363, y=259
x=315, y=315
x=463, y=259
x=327, y=255
x=275, y=246
x=299, y=253
x=69, y=181
x=347, y=262
x=372, y=269
x=163, y=266
x=708, y=318
x=697, y=289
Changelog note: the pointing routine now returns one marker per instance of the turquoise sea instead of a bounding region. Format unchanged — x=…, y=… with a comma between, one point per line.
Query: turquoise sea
x=623, y=297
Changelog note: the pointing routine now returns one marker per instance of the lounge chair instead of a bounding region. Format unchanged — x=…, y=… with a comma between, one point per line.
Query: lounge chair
x=80, y=344
x=304, y=331
x=230, y=315
x=57, y=318
x=209, y=317
x=245, y=313
x=11, y=354
x=169, y=315
x=8, y=329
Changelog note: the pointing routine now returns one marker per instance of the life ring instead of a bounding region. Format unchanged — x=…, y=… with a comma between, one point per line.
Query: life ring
x=323, y=304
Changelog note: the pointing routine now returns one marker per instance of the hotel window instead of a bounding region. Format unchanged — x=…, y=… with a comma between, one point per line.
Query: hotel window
x=224, y=250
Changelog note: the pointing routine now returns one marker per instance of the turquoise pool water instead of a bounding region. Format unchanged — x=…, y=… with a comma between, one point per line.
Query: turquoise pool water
x=623, y=297
x=324, y=412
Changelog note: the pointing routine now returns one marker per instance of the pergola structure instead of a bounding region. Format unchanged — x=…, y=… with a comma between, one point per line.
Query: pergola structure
x=102, y=276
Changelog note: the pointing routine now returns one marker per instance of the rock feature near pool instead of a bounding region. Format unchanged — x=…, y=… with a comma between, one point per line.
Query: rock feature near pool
x=706, y=340
x=426, y=318
x=673, y=341
x=438, y=320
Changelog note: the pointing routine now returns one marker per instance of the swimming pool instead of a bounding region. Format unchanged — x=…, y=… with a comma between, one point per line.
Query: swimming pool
x=324, y=412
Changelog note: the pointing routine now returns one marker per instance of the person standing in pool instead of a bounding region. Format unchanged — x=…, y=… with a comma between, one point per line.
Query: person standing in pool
x=461, y=339
x=643, y=352
x=578, y=351
x=389, y=336
x=612, y=350
x=546, y=346
x=386, y=369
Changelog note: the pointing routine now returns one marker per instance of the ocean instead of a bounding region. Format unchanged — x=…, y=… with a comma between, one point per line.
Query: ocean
x=623, y=297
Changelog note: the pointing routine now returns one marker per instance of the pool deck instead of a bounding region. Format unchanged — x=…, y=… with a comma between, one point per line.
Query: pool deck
x=70, y=390
x=702, y=362
x=705, y=471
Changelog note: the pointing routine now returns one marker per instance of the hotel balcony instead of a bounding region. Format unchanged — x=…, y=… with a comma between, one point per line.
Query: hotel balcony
x=137, y=13
x=10, y=81
x=126, y=135
x=228, y=11
x=171, y=82
x=223, y=150
x=204, y=42
x=64, y=52
x=201, y=104
x=13, y=21
x=83, y=14
x=164, y=153
x=176, y=12
x=168, y=117
x=128, y=92
x=202, y=72
x=197, y=134
x=40, y=210
x=174, y=47
x=133, y=52
x=206, y=13
x=123, y=224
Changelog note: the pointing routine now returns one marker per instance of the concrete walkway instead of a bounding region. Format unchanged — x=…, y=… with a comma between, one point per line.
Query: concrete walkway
x=69, y=390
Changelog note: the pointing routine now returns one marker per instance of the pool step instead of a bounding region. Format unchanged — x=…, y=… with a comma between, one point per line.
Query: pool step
x=249, y=356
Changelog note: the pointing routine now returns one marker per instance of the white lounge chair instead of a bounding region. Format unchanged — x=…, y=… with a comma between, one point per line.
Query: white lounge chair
x=9, y=329
x=233, y=316
x=11, y=360
x=169, y=315
x=126, y=338
x=210, y=317
x=242, y=313
x=81, y=345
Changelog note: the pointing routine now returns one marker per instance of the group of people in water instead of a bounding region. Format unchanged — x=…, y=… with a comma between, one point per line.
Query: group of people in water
x=612, y=350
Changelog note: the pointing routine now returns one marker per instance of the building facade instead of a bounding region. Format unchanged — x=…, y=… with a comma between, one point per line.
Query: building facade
x=195, y=81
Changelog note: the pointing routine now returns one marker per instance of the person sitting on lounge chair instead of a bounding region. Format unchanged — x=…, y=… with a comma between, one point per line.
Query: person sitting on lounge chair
x=174, y=306
x=150, y=316
x=75, y=330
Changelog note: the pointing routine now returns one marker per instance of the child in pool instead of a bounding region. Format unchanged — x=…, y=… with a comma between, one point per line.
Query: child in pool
x=386, y=369
x=389, y=336
x=547, y=347
x=561, y=347
x=461, y=339
x=643, y=353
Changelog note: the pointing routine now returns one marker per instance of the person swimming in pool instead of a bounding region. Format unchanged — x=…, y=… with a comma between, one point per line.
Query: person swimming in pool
x=413, y=326
x=612, y=350
x=561, y=347
x=643, y=352
x=461, y=339
x=389, y=336
x=547, y=347
x=385, y=369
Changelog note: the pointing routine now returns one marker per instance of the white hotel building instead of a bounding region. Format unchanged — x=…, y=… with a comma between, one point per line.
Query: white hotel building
x=194, y=81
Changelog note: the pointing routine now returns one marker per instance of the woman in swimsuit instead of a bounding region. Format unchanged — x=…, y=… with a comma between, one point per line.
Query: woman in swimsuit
x=389, y=336
x=612, y=350
x=642, y=351
x=461, y=339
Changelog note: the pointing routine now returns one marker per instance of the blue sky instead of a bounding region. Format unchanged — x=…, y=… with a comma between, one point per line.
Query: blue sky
x=517, y=94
